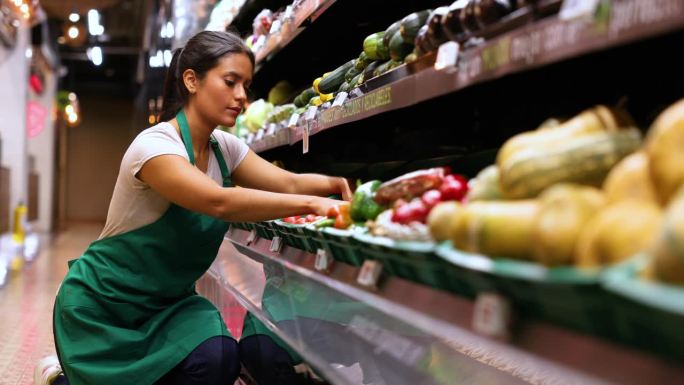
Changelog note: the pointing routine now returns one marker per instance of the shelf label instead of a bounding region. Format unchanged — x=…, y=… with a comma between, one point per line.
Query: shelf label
x=305, y=138
x=251, y=237
x=573, y=9
x=271, y=129
x=447, y=55
x=492, y=315
x=293, y=120
x=260, y=135
x=275, y=27
x=288, y=13
x=369, y=273
x=323, y=260
x=340, y=99
x=276, y=245
x=250, y=138
x=311, y=113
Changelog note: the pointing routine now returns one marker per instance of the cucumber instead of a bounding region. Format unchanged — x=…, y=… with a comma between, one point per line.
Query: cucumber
x=351, y=74
x=333, y=81
x=308, y=94
x=389, y=33
x=374, y=47
x=398, y=48
x=412, y=23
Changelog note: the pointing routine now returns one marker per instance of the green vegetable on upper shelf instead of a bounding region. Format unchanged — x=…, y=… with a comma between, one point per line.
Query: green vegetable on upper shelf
x=398, y=48
x=390, y=32
x=332, y=81
x=412, y=23
x=375, y=48
x=363, y=206
x=351, y=74
x=362, y=62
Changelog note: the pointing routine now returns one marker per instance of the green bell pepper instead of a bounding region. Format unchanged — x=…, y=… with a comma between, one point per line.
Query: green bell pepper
x=363, y=206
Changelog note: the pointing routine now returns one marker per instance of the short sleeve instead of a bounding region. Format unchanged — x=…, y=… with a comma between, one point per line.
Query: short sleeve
x=234, y=149
x=153, y=142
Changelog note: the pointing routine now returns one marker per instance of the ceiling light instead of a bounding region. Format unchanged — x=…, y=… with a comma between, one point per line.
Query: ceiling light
x=74, y=17
x=95, y=54
x=73, y=32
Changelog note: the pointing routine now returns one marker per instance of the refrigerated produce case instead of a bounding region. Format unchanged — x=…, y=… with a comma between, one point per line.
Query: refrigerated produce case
x=365, y=309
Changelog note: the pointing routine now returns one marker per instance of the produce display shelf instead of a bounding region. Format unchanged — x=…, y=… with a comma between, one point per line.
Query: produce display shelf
x=409, y=333
x=305, y=10
x=535, y=45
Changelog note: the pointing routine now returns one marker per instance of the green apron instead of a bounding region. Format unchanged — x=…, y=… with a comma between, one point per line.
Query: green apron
x=127, y=311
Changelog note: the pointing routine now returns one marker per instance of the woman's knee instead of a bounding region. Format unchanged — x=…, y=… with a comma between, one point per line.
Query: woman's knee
x=215, y=361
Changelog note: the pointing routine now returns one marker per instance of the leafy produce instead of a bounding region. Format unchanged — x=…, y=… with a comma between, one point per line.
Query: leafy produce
x=363, y=205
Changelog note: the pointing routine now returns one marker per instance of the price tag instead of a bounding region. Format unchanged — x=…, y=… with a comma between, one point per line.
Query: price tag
x=573, y=9
x=259, y=43
x=289, y=12
x=447, y=55
x=311, y=113
x=251, y=237
x=259, y=135
x=250, y=138
x=275, y=27
x=492, y=315
x=276, y=245
x=271, y=129
x=340, y=99
x=293, y=120
x=305, y=138
x=369, y=274
x=323, y=260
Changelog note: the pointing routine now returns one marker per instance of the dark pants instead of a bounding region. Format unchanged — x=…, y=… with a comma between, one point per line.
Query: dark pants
x=214, y=362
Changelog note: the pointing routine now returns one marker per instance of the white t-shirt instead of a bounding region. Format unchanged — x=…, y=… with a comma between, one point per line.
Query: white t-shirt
x=134, y=204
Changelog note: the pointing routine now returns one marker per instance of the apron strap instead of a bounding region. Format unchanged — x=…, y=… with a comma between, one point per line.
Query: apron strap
x=225, y=174
x=187, y=139
x=185, y=134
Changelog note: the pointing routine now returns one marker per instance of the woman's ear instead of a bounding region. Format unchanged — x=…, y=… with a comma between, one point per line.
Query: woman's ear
x=190, y=81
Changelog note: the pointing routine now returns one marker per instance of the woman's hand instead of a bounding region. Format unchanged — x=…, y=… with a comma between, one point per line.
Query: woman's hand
x=345, y=189
x=321, y=206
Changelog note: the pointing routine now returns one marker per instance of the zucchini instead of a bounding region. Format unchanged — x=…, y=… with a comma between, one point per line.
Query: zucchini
x=382, y=68
x=368, y=72
x=374, y=47
x=345, y=87
x=389, y=33
x=357, y=81
x=362, y=62
x=298, y=101
x=412, y=23
x=335, y=79
x=351, y=74
x=398, y=48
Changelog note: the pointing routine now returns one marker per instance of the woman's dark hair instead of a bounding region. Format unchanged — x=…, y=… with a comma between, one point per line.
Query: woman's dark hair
x=201, y=53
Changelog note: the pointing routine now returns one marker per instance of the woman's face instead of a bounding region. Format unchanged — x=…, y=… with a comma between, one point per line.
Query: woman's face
x=222, y=93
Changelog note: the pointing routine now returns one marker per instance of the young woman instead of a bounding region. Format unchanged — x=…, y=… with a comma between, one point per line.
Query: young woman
x=127, y=312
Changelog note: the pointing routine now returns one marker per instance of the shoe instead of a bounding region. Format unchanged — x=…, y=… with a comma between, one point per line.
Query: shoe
x=46, y=371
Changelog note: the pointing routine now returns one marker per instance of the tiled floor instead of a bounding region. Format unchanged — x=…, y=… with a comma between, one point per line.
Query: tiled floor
x=26, y=304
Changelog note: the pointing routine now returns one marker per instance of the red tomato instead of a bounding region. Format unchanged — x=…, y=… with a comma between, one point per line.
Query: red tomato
x=300, y=221
x=431, y=197
x=289, y=219
x=419, y=211
x=310, y=218
x=453, y=189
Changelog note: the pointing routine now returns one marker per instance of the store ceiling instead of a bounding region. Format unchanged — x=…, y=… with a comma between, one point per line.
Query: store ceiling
x=121, y=44
x=61, y=9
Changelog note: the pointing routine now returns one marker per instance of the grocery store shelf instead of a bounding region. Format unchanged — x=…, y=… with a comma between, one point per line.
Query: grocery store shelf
x=536, y=45
x=420, y=334
x=306, y=10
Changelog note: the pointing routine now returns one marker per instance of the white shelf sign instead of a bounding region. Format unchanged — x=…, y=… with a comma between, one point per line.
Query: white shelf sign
x=369, y=273
x=323, y=260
